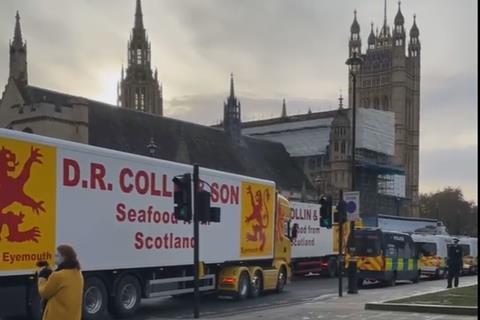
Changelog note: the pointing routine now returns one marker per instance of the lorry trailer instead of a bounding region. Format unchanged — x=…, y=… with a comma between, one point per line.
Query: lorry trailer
x=117, y=211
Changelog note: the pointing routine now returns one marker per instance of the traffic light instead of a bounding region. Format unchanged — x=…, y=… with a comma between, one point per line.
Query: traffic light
x=326, y=212
x=341, y=211
x=205, y=212
x=182, y=197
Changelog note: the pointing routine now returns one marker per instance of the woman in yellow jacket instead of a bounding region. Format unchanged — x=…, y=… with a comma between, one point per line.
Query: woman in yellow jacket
x=62, y=289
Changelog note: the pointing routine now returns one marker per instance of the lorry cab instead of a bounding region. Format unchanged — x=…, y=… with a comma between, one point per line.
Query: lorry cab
x=470, y=254
x=433, y=253
x=384, y=256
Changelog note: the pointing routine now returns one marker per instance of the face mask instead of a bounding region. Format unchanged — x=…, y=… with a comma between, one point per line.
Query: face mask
x=58, y=259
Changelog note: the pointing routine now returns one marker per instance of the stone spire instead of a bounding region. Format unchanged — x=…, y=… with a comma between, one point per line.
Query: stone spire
x=284, y=109
x=140, y=88
x=232, y=115
x=138, y=16
x=355, y=43
x=18, y=55
x=17, y=35
x=340, y=101
x=232, y=86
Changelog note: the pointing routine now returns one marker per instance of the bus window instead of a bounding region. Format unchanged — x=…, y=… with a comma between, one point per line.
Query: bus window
x=427, y=249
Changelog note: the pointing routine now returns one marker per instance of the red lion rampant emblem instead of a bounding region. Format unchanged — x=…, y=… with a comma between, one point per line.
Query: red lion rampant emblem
x=259, y=204
x=12, y=191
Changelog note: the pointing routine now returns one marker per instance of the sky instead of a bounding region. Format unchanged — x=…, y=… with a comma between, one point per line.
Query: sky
x=292, y=49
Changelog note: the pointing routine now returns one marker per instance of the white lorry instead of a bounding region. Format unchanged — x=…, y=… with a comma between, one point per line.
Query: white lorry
x=313, y=249
x=116, y=210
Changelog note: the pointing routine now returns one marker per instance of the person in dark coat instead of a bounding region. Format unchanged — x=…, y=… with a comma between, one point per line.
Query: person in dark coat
x=454, y=262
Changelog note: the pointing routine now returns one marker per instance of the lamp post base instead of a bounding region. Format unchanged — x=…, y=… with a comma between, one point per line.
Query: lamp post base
x=352, y=276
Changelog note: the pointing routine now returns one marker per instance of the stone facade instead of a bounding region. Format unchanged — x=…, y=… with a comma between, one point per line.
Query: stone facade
x=389, y=80
x=27, y=108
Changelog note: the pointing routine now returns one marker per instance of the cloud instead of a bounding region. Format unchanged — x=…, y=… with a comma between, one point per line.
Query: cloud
x=450, y=167
x=275, y=48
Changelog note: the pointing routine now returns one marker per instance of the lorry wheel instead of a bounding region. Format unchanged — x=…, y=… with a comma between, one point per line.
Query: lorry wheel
x=256, y=285
x=94, y=299
x=243, y=286
x=282, y=279
x=127, y=297
x=332, y=267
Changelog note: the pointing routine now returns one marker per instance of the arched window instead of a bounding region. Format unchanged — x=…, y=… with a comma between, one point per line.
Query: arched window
x=342, y=147
x=139, y=56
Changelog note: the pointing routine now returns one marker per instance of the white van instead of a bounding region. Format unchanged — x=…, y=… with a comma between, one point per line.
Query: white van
x=470, y=254
x=433, y=253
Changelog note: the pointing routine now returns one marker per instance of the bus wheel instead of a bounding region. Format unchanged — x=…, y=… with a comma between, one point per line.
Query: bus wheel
x=243, y=286
x=256, y=285
x=94, y=299
x=127, y=297
x=282, y=279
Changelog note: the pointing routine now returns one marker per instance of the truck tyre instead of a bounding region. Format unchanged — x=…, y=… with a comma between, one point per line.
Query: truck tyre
x=243, y=286
x=281, y=279
x=94, y=299
x=332, y=267
x=127, y=297
x=256, y=285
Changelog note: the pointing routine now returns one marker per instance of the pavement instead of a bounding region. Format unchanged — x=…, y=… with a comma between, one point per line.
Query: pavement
x=352, y=307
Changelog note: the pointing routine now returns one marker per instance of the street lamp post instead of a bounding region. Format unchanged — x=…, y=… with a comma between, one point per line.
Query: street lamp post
x=354, y=64
x=152, y=148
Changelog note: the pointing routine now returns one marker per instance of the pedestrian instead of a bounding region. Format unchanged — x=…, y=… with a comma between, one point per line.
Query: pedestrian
x=62, y=289
x=454, y=262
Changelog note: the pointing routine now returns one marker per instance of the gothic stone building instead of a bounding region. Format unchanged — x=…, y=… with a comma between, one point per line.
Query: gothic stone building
x=136, y=129
x=320, y=143
x=390, y=80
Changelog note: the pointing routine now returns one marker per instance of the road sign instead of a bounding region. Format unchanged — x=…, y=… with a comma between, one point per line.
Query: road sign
x=352, y=199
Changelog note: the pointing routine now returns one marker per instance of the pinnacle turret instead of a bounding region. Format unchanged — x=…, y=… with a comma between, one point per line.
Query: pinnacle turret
x=18, y=55
x=284, y=109
x=355, y=28
x=414, y=32
x=139, y=16
x=17, y=34
x=399, y=20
